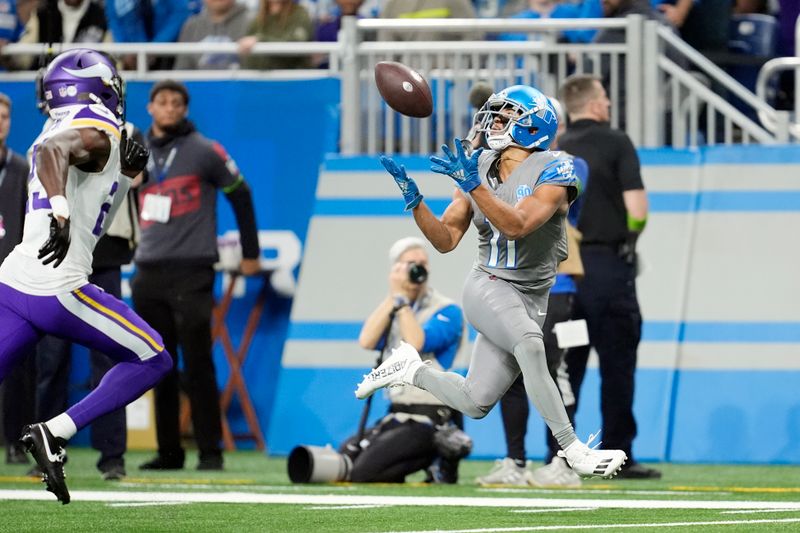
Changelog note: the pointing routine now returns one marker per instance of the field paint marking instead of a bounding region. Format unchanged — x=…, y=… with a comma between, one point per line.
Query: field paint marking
x=608, y=526
x=339, y=507
x=760, y=511
x=556, y=510
x=422, y=501
x=773, y=490
x=565, y=490
x=283, y=488
x=144, y=504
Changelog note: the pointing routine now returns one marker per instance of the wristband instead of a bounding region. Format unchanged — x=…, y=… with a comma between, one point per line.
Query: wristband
x=60, y=206
x=636, y=224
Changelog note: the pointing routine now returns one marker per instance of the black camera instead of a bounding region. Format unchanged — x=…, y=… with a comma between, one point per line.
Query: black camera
x=417, y=273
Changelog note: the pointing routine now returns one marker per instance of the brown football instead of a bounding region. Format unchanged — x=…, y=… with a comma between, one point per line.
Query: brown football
x=404, y=89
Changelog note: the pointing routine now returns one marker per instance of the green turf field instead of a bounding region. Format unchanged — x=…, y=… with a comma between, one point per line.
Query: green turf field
x=254, y=494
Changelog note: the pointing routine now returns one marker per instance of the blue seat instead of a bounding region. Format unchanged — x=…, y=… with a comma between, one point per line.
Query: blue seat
x=753, y=34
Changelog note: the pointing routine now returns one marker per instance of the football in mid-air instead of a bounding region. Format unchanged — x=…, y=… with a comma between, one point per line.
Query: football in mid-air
x=404, y=89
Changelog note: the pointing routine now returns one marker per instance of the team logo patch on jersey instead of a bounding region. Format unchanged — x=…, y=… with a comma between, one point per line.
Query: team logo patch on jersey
x=566, y=168
x=523, y=191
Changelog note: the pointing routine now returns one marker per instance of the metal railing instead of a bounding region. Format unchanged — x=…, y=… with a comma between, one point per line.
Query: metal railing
x=451, y=67
x=764, y=89
x=694, y=99
x=662, y=90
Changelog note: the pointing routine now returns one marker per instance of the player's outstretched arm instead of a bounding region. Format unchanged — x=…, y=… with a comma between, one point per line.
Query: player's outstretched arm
x=445, y=233
x=527, y=215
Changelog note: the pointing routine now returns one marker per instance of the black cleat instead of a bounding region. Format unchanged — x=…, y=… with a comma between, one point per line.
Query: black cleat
x=49, y=453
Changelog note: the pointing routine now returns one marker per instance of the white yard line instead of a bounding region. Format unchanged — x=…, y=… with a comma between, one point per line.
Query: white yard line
x=554, y=510
x=608, y=526
x=144, y=504
x=621, y=492
x=751, y=511
x=340, y=507
x=423, y=501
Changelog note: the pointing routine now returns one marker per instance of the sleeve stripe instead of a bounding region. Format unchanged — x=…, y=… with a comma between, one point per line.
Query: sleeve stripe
x=96, y=123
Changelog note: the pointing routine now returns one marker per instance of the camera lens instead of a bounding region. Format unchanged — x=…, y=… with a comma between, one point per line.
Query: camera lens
x=417, y=273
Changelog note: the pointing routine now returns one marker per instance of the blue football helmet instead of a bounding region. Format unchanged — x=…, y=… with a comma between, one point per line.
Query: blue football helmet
x=526, y=114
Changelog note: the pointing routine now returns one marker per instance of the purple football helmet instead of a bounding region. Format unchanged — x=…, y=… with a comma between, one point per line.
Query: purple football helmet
x=84, y=76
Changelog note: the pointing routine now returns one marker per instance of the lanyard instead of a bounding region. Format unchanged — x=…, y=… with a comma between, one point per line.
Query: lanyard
x=163, y=171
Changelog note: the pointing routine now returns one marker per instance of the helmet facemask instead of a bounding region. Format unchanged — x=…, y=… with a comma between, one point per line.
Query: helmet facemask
x=508, y=122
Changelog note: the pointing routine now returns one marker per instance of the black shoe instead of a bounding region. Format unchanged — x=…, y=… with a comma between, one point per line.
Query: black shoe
x=49, y=453
x=113, y=473
x=15, y=454
x=210, y=462
x=635, y=470
x=164, y=462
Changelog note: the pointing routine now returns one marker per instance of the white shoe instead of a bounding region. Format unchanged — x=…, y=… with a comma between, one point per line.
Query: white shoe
x=590, y=462
x=556, y=474
x=398, y=369
x=506, y=472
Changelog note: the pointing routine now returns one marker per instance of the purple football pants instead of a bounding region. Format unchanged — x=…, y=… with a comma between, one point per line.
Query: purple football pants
x=97, y=320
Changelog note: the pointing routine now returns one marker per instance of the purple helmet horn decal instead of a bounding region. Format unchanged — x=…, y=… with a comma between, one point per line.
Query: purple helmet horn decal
x=84, y=76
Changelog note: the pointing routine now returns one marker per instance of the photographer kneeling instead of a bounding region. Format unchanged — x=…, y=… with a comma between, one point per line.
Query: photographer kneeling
x=419, y=432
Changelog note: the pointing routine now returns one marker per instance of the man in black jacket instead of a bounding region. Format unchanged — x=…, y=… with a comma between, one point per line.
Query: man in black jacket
x=18, y=386
x=613, y=216
x=173, y=285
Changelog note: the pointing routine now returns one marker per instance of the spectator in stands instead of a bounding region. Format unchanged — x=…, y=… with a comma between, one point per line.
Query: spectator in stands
x=18, y=386
x=613, y=215
x=558, y=10
x=707, y=28
x=145, y=21
x=403, y=442
x=11, y=27
x=328, y=27
x=65, y=21
x=174, y=281
x=621, y=9
x=675, y=11
x=277, y=21
x=222, y=21
x=444, y=9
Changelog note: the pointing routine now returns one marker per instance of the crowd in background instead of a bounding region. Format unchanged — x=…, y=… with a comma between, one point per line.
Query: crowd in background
x=705, y=24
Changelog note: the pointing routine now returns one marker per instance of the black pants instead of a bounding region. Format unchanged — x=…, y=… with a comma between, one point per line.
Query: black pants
x=53, y=357
x=19, y=390
x=177, y=301
x=514, y=405
x=606, y=298
x=395, y=450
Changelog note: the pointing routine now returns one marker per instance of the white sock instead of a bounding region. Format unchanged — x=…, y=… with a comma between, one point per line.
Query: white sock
x=62, y=426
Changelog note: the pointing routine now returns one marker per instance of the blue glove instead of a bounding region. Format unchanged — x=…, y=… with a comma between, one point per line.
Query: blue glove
x=407, y=186
x=463, y=169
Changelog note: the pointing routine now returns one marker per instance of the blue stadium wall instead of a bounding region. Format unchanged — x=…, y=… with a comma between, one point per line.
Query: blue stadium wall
x=719, y=372
x=719, y=365
x=277, y=131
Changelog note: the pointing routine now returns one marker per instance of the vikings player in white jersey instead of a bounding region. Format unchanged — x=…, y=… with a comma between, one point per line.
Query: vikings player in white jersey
x=81, y=167
x=517, y=195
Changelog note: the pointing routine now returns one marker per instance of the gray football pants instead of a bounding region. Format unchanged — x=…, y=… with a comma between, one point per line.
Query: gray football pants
x=509, y=341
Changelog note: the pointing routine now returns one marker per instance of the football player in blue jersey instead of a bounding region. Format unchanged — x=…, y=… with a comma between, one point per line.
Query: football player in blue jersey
x=517, y=195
